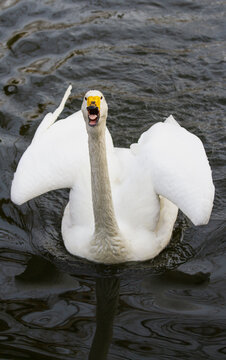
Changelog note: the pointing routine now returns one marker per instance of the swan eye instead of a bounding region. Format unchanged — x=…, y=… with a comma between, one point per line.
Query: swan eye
x=101, y=97
x=85, y=98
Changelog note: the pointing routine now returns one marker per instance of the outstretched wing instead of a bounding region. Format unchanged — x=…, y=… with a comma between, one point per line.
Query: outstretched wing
x=177, y=163
x=53, y=160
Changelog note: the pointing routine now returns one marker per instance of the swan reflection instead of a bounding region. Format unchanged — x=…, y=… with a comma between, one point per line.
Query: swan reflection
x=107, y=294
x=60, y=303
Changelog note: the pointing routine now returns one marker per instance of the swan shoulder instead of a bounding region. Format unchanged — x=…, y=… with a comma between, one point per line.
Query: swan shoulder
x=176, y=162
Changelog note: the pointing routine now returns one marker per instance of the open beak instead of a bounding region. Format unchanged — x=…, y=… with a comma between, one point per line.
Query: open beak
x=93, y=108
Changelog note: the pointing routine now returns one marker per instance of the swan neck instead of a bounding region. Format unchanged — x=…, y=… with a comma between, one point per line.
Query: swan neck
x=103, y=209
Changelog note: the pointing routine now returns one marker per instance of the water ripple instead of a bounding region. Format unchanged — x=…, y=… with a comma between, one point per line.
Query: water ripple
x=150, y=59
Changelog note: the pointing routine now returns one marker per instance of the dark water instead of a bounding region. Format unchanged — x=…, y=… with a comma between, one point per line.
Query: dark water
x=151, y=59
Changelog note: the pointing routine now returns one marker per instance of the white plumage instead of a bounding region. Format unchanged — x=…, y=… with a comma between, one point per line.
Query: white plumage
x=168, y=162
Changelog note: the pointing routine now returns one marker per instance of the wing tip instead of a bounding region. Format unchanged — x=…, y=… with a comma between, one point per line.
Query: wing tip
x=171, y=120
x=202, y=217
x=201, y=221
x=17, y=192
x=16, y=199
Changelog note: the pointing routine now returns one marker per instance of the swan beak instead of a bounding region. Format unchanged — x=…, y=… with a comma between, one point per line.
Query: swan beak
x=93, y=101
x=93, y=108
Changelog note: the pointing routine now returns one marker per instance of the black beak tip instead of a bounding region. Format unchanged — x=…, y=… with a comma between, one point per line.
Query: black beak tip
x=92, y=107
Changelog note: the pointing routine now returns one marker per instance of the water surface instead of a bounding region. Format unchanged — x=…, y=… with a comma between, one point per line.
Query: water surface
x=150, y=59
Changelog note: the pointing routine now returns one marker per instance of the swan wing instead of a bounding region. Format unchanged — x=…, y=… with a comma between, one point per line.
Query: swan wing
x=57, y=154
x=177, y=163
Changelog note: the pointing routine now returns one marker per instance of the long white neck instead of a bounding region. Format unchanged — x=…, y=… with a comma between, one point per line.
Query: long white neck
x=103, y=209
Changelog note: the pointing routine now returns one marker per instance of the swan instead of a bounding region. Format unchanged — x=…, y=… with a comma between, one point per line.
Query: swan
x=123, y=203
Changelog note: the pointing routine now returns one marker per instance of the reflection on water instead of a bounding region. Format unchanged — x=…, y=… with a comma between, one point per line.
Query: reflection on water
x=48, y=311
x=107, y=293
x=150, y=59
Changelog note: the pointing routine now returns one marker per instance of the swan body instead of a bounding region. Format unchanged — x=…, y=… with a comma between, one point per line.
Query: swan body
x=123, y=203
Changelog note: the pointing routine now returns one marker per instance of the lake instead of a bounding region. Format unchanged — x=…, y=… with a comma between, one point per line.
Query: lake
x=150, y=59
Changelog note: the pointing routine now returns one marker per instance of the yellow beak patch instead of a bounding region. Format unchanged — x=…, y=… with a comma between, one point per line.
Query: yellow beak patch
x=93, y=101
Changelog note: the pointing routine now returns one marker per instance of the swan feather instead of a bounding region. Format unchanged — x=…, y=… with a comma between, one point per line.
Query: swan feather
x=179, y=168
x=167, y=168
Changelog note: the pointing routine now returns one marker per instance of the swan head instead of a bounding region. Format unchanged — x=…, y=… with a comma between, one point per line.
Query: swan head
x=95, y=110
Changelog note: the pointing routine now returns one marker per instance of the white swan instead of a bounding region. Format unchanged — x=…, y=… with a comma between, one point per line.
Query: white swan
x=123, y=202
